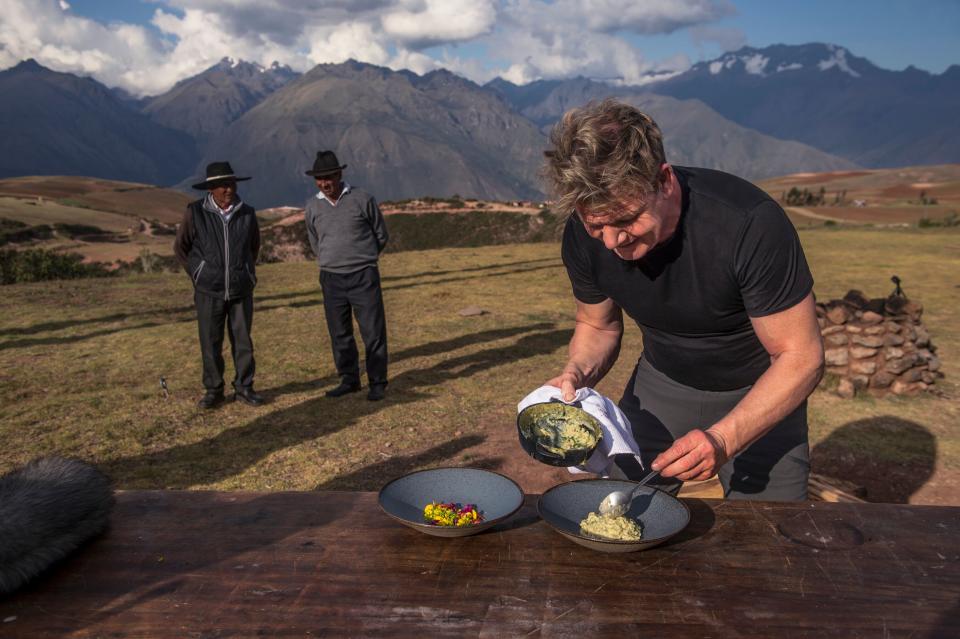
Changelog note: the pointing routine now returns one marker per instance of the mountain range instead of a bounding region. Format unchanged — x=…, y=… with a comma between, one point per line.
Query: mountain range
x=59, y=124
x=824, y=96
x=205, y=104
x=401, y=135
x=755, y=112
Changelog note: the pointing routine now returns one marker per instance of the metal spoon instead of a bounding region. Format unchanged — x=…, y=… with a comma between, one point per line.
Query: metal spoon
x=618, y=502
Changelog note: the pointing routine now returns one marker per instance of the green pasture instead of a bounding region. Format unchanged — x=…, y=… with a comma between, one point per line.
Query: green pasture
x=81, y=362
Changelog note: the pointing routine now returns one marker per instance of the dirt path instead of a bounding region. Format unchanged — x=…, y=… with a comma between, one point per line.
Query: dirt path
x=810, y=214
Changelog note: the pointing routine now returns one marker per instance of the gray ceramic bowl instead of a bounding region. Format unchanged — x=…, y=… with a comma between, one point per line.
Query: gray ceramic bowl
x=564, y=506
x=497, y=497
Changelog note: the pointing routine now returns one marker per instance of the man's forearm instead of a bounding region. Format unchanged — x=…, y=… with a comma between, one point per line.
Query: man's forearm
x=789, y=380
x=593, y=351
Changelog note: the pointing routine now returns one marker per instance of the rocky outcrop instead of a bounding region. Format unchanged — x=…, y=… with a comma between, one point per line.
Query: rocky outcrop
x=877, y=346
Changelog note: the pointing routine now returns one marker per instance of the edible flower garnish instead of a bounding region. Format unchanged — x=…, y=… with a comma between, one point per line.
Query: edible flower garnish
x=451, y=514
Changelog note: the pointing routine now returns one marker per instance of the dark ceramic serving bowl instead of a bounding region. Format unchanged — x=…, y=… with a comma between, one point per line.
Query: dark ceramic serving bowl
x=548, y=415
x=497, y=498
x=660, y=514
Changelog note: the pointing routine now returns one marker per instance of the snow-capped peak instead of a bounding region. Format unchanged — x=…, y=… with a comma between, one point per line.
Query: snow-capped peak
x=785, y=58
x=754, y=63
x=837, y=59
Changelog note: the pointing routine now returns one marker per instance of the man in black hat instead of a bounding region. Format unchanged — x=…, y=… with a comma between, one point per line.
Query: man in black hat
x=347, y=234
x=217, y=243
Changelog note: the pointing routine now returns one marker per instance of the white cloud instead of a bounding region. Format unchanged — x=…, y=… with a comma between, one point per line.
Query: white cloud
x=44, y=30
x=419, y=24
x=355, y=40
x=525, y=39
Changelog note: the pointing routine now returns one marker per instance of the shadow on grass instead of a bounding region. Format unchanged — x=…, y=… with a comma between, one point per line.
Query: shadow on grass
x=232, y=451
x=889, y=456
x=315, y=300
x=119, y=317
x=431, y=348
x=374, y=476
x=44, y=327
x=423, y=350
x=555, y=261
x=447, y=280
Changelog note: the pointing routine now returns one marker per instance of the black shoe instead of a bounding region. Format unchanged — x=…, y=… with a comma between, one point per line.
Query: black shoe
x=249, y=396
x=211, y=400
x=376, y=393
x=343, y=389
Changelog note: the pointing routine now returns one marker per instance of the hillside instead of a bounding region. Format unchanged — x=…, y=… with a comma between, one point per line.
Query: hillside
x=906, y=195
x=206, y=104
x=401, y=135
x=107, y=221
x=430, y=223
x=693, y=133
x=58, y=124
x=102, y=220
x=825, y=96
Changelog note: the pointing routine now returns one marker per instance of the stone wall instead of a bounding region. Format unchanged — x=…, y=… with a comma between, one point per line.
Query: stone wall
x=876, y=346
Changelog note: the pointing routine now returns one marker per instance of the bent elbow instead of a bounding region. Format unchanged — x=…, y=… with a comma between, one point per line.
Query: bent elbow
x=818, y=364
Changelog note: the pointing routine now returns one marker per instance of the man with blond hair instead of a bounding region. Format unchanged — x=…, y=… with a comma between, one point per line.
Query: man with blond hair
x=712, y=271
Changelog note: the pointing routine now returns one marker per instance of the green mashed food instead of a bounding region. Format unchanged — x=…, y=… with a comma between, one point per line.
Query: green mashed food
x=566, y=435
x=617, y=528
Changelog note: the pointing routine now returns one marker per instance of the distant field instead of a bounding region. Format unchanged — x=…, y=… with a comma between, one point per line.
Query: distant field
x=126, y=198
x=80, y=364
x=888, y=196
x=135, y=217
x=33, y=212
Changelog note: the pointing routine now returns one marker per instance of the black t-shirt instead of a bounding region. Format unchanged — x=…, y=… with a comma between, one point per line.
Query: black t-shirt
x=734, y=255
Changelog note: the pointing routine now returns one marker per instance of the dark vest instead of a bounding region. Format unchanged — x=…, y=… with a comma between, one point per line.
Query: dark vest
x=220, y=260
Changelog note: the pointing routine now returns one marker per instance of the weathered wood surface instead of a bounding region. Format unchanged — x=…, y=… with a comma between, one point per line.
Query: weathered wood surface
x=204, y=564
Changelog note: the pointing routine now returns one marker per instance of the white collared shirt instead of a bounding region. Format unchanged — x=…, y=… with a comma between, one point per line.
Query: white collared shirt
x=322, y=196
x=227, y=212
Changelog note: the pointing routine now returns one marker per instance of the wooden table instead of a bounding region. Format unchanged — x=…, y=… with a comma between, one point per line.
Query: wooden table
x=330, y=564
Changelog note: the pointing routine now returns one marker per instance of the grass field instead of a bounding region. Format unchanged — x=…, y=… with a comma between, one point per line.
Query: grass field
x=80, y=364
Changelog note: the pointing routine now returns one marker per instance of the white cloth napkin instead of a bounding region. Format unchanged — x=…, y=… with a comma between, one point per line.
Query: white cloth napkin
x=617, y=435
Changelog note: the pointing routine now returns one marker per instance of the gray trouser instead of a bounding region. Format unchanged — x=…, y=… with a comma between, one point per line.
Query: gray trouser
x=774, y=468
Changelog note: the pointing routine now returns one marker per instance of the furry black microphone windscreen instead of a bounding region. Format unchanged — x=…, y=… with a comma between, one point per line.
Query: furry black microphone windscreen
x=48, y=509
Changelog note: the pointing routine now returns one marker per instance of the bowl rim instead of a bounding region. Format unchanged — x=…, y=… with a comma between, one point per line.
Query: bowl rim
x=486, y=523
x=615, y=542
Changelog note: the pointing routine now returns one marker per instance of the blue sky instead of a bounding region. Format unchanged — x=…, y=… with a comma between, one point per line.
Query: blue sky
x=145, y=46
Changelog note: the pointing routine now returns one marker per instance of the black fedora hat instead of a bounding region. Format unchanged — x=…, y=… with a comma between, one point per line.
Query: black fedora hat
x=325, y=164
x=218, y=172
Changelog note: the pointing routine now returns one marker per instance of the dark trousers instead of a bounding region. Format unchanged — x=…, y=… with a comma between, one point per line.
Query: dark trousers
x=776, y=467
x=237, y=314
x=346, y=294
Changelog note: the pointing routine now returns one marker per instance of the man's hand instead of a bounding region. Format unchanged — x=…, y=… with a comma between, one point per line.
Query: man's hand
x=696, y=456
x=568, y=382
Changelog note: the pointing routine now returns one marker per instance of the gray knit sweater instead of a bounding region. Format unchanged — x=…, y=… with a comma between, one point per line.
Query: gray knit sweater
x=349, y=236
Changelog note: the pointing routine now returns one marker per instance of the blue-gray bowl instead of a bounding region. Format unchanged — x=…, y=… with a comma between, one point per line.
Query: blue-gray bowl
x=497, y=497
x=660, y=514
